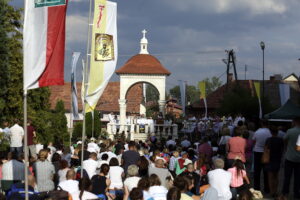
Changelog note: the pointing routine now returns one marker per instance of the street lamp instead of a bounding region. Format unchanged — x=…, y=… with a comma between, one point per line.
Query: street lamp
x=262, y=46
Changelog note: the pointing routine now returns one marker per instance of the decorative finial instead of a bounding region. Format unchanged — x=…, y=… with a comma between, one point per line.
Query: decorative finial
x=144, y=43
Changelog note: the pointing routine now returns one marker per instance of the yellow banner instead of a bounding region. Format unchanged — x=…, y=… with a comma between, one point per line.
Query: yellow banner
x=202, y=87
x=257, y=88
x=98, y=48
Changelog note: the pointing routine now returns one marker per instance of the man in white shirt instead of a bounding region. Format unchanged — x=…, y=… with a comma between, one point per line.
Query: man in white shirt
x=16, y=137
x=92, y=146
x=260, y=137
x=70, y=185
x=185, y=143
x=90, y=165
x=170, y=142
x=220, y=180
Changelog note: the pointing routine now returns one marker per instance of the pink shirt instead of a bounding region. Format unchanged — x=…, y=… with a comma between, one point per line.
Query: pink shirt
x=236, y=181
x=236, y=148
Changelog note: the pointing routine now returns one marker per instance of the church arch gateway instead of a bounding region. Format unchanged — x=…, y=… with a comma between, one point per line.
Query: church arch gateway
x=142, y=68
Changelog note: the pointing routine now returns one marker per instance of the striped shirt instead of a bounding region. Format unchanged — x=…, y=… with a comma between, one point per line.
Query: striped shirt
x=44, y=172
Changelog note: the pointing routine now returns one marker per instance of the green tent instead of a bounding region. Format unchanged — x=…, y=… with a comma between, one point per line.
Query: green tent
x=286, y=112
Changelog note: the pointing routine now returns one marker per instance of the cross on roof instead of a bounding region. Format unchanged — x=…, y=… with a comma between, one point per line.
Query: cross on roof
x=144, y=33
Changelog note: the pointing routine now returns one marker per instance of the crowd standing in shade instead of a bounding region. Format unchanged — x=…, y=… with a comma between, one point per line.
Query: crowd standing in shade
x=222, y=159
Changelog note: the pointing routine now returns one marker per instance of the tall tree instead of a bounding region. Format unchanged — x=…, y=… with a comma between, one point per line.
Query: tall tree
x=192, y=93
x=212, y=84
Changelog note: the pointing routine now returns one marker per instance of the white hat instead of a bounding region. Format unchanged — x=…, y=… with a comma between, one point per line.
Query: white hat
x=187, y=161
x=159, y=158
x=79, y=142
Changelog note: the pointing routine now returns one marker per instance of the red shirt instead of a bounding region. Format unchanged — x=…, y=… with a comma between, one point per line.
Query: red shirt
x=236, y=148
x=30, y=131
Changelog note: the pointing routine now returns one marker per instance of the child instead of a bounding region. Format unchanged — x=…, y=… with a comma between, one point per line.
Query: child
x=172, y=163
x=239, y=175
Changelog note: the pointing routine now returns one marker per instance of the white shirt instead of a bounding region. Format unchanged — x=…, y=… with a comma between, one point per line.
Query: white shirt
x=7, y=171
x=16, y=136
x=185, y=143
x=110, y=155
x=90, y=167
x=70, y=186
x=170, y=142
x=62, y=174
x=220, y=180
x=93, y=147
x=115, y=176
x=131, y=182
x=260, y=137
x=158, y=192
x=101, y=162
x=298, y=141
x=85, y=196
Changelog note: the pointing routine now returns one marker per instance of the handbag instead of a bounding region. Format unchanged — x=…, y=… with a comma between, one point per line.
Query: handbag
x=265, y=159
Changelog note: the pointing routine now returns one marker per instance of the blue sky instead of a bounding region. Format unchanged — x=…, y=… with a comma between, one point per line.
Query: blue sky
x=189, y=37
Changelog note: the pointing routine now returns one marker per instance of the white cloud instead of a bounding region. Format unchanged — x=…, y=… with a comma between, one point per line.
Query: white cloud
x=253, y=7
x=76, y=28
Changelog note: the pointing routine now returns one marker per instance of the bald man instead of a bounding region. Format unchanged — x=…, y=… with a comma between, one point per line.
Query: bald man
x=70, y=185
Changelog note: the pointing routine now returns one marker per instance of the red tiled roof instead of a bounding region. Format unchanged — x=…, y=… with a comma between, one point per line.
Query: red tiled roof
x=143, y=64
x=108, y=101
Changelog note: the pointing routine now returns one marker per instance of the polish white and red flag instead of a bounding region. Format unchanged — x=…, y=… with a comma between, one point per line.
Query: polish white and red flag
x=44, y=43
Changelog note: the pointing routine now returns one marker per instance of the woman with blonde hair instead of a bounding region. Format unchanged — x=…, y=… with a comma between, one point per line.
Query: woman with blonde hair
x=44, y=171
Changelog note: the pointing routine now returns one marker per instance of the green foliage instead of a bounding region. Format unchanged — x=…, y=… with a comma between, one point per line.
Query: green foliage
x=192, y=93
x=240, y=101
x=212, y=84
x=89, y=124
x=151, y=93
x=77, y=131
x=52, y=126
x=152, y=110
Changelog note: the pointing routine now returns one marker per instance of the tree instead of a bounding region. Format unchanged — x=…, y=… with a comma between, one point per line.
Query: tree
x=212, y=84
x=240, y=101
x=151, y=93
x=192, y=93
x=77, y=131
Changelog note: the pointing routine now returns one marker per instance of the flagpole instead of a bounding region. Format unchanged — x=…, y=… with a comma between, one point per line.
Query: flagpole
x=93, y=123
x=85, y=87
x=25, y=125
x=25, y=144
x=71, y=114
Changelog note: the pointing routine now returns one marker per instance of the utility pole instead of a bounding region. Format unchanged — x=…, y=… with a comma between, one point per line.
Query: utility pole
x=231, y=62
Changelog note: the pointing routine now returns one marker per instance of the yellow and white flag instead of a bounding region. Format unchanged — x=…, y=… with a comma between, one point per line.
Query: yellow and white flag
x=104, y=50
x=257, y=90
x=202, y=88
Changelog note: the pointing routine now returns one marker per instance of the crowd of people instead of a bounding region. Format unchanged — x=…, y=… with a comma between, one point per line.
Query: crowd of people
x=220, y=164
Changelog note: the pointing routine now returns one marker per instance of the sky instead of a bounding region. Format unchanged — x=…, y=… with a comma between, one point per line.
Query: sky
x=190, y=37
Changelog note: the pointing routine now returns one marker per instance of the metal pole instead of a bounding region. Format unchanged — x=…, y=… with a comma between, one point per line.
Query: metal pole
x=25, y=126
x=263, y=84
x=85, y=87
x=25, y=144
x=245, y=72
x=71, y=113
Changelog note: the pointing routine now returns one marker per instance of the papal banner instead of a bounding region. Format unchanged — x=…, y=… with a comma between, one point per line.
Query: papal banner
x=257, y=90
x=104, y=51
x=44, y=43
x=202, y=88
